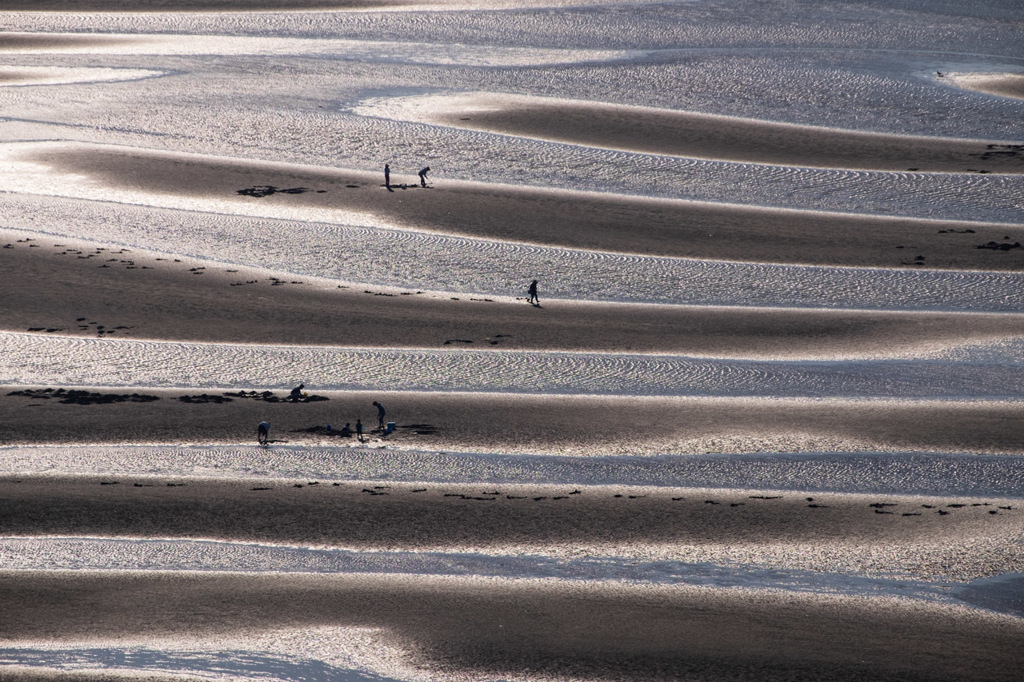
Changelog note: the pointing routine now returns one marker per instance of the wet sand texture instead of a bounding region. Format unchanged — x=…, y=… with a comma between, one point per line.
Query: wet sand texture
x=169, y=301
x=524, y=423
x=571, y=630
x=789, y=584
x=450, y=517
x=723, y=138
x=195, y=5
x=571, y=219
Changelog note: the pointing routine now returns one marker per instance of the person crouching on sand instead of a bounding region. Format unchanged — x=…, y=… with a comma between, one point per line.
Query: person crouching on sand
x=263, y=433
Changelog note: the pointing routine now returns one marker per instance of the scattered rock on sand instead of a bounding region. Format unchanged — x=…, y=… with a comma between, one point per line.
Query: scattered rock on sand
x=78, y=397
x=205, y=398
x=269, y=397
x=999, y=246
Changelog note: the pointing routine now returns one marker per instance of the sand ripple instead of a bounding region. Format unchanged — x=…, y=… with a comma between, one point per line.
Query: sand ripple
x=48, y=360
x=350, y=50
x=421, y=260
x=895, y=473
x=192, y=555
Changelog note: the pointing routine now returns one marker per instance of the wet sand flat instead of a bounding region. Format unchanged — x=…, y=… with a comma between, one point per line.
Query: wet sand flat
x=78, y=289
x=566, y=496
x=519, y=423
x=460, y=517
x=722, y=138
x=572, y=630
x=561, y=218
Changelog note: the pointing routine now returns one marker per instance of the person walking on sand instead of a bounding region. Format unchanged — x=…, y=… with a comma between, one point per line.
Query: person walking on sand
x=381, y=412
x=423, y=176
x=387, y=176
x=533, y=294
x=263, y=433
x=359, y=430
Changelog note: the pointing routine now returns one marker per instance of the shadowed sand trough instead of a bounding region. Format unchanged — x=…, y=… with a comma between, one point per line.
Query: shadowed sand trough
x=570, y=630
x=593, y=520
x=28, y=42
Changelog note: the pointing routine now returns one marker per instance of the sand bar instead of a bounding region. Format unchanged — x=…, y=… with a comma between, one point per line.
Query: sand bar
x=519, y=423
x=572, y=630
x=73, y=288
x=720, y=138
x=562, y=218
x=459, y=517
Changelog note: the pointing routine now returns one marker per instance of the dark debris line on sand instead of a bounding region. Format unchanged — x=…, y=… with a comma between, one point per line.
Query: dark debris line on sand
x=269, y=397
x=81, y=397
x=78, y=397
x=205, y=398
x=492, y=495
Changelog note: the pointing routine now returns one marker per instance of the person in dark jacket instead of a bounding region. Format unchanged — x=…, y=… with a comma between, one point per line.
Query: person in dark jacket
x=533, y=294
